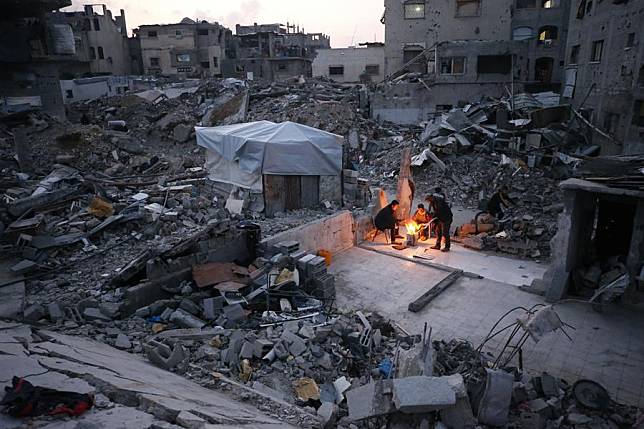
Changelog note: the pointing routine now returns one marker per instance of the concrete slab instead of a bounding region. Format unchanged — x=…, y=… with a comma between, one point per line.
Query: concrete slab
x=606, y=347
x=117, y=417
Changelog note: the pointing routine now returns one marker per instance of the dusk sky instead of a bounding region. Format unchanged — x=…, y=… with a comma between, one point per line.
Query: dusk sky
x=346, y=21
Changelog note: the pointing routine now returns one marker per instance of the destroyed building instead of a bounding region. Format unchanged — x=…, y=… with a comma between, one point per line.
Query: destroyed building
x=605, y=71
x=187, y=49
x=362, y=63
x=275, y=51
x=36, y=54
x=466, y=49
x=99, y=37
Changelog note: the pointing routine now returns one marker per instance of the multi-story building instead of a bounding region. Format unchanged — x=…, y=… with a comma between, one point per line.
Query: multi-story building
x=274, y=52
x=100, y=38
x=466, y=49
x=36, y=54
x=189, y=48
x=605, y=71
x=365, y=63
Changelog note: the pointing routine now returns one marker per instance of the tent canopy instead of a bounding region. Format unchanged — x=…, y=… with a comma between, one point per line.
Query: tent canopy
x=241, y=153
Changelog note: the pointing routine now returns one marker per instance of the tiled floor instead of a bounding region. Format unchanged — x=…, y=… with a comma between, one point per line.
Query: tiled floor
x=607, y=347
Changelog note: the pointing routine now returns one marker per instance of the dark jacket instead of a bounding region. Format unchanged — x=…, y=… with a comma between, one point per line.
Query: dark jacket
x=386, y=218
x=499, y=199
x=440, y=208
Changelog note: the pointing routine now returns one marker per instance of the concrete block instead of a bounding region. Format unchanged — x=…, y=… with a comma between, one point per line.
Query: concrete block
x=328, y=411
x=122, y=342
x=235, y=313
x=297, y=347
x=413, y=395
x=371, y=400
x=190, y=421
x=261, y=346
x=186, y=320
x=94, y=313
x=110, y=309
x=247, y=350
x=494, y=406
x=190, y=306
x=34, y=312
x=212, y=307
x=55, y=312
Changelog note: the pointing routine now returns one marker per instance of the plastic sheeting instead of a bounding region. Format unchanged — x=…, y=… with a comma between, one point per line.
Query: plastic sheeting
x=240, y=154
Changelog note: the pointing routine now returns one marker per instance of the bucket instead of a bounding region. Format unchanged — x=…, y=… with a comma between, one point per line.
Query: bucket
x=326, y=255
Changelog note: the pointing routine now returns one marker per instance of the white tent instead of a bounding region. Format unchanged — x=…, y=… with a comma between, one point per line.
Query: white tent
x=240, y=154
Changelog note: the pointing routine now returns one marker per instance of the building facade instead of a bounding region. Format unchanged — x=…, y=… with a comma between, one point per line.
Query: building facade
x=100, y=38
x=365, y=63
x=605, y=71
x=276, y=52
x=188, y=49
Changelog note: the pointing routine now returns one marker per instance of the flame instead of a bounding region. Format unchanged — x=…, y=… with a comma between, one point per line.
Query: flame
x=412, y=227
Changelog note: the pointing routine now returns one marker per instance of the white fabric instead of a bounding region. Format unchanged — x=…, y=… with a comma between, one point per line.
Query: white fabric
x=256, y=148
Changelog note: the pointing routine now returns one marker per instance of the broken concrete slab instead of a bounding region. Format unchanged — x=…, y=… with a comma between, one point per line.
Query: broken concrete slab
x=494, y=406
x=12, y=299
x=190, y=421
x=414, y=395
x=371, y=400
x=34, y=313
x=94, y=313
x=117, y=417
x=186, y=320
x=122, y=342
x=328, y=411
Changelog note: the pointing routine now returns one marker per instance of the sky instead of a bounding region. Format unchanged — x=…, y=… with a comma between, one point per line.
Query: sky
x=348, y=22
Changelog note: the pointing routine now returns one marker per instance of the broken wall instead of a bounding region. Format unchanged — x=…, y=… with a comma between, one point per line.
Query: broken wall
x=333, y=233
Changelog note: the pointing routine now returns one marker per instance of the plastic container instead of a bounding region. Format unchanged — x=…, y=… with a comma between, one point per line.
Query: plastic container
x=326, y=255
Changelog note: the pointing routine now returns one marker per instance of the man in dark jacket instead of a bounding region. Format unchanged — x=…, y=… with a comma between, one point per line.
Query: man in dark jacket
x=443, y=213
x=386, y=219
x=499, y=201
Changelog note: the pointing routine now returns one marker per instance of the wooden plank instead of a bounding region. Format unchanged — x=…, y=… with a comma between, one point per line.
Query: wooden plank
x=310, y=191
x=293, y=194
x=274, y=194
x=405, y=191
x=428, y=296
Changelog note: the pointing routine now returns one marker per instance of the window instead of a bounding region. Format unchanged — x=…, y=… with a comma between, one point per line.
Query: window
x=101, y=54
x=414, y=10
x=202, y=32
x=526, y=4
x=336, y=70
x=152, y=34
x=596, y=51
x=155, y=62
x=574, y=54
x=205, y=65
x=547, y=33
x=282, y=66
x=640, y=78
x=630, y=40
x=215, y=62
x=581, y=10
x=183, y=58
x=92, y=53
x=178, y=34
x=372, y=69
x=499, y=64
x=468, y=8
x=549, y=4
x=522, y=33
x=97, y=25
x=453, y=65
x=638, y=113
x=69, y=93
x=543, y=68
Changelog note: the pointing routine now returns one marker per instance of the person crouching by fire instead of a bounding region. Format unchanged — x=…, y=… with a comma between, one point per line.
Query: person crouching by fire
x=422, y=218
x=386, y=219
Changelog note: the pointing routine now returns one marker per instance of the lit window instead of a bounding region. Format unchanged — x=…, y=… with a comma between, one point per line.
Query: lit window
x=549, y=4
x=183, y=58
x=453, y=65
x=546, y=34
x=596, y=51
x=415, y=11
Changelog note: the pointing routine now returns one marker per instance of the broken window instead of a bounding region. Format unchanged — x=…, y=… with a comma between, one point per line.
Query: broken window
x=640, y=78
x=417, y=63
x=183, y=58
x=372, y=69
x=589, y=7
x=630, y=40
x=336, y=70
x=101, y=54
x=547, y=34
x=581, y=10
x=69, y=93
x=205, y=65
x=596, y=51
x=92, y=53
x=202, y=31
x=453, y=65
x=574, y=54
x=215, y=62
x=499, y=64
x=282, y=66
x=526, y=4
x=152, y=34
x=178, y=34
x=468, y=8
x=549, y=4
x=611, y=121
x=522, y=33
x=543, y=69
x=154, y=62
x=97, y=25
x=414, y=10
x=638, y=113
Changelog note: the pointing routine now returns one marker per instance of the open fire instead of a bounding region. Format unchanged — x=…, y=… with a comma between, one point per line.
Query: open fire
x=412, y=227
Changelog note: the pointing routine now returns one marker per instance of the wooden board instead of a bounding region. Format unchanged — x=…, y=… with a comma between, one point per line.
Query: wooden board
x=293, y=194
x=274, y=190
x=436, y=290
x=310, y=186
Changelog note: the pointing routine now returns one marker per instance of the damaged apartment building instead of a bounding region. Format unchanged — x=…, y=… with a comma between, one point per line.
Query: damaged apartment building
x=605, y=71
x=274, y=52
x=464, y=49
x=362, y=63
x=186, y=49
